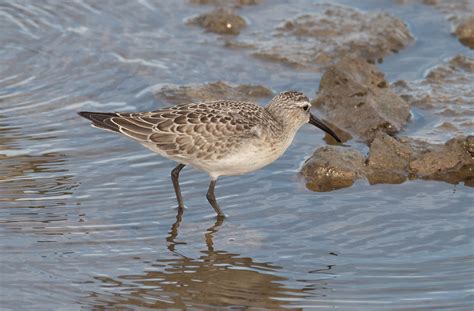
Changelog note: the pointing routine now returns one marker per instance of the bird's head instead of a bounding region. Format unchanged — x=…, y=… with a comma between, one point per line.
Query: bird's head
x=293, y=109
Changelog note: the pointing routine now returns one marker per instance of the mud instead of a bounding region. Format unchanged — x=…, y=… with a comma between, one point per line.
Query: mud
x=392, y=160
x=313, y=41
x=221, y=21
x=447, y=94
x=354, y=95
x=212, y=91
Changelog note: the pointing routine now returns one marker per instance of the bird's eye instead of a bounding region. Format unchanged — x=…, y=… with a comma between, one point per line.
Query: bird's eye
x=306, y=107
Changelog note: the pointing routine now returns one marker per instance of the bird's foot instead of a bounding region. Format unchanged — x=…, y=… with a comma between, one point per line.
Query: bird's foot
x=180, y=208
x=216, y=216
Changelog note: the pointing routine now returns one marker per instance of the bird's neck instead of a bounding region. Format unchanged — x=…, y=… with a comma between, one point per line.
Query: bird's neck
x=281, y=125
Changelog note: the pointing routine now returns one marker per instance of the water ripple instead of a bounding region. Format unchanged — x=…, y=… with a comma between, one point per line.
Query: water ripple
x=88, y=218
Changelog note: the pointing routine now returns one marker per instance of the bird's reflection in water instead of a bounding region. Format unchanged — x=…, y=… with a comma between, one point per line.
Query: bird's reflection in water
x=216, y=279
x=173, y=233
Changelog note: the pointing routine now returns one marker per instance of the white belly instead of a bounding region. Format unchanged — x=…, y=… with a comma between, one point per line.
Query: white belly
x=249, y=158
x=246, y=160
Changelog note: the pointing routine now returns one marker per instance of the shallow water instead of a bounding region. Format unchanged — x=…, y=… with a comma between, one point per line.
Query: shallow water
x=88, y=218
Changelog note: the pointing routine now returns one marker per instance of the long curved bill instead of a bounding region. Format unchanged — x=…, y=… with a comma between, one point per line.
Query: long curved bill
x=316, y=122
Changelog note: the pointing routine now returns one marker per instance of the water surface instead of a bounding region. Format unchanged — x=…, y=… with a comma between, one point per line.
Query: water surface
x=88, y=218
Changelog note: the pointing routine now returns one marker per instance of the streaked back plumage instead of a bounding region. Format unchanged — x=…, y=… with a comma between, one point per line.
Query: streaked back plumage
x=192, y=131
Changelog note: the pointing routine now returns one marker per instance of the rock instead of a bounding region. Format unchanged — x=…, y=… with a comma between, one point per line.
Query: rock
x=459, y=13
x=332, y=168
x=455, y=11
x=465, y=32
x=387, y=153
x=446, y=94
x=343, y=135
x=354, y=95
x=391, y=161
x=452, y=162
x=248, y=2
x=386, y=177
x=388, y=160
x=313, y=41
x=221, y=21
x=211, y=91
x=226, y=2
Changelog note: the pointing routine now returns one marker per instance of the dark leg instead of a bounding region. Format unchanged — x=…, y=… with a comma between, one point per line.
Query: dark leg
x=177, y=189
x=212, y=199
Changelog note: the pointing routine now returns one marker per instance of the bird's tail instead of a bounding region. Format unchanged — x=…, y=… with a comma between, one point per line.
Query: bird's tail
x=101, y=120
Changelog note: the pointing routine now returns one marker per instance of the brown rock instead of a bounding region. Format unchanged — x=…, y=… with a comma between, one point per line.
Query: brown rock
x=465, y=32
x=463, y=62
x=354, y=95
x=331, y=168
x=446, y=126
x=455, y=10
x=212, y=91
x=460, y=14
x=392, y=161
x=445, y=94
x=452, y=162
x=226, y=2
x=388, y=160
x=388, y=153
x=221, y=21
x=343, y=135
x=314, y=41
x=386, y=177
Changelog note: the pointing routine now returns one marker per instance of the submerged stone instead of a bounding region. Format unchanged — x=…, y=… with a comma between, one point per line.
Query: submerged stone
x=218, y=90
x=447, y=94
x=221, y=21
x=313, y=41
x=460, y=14
x=227, y=2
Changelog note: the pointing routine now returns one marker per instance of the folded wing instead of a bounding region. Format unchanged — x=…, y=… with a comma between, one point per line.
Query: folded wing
x=201, y=130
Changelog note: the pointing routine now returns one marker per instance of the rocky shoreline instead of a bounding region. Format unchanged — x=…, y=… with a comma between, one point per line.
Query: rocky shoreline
x=354, y=97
